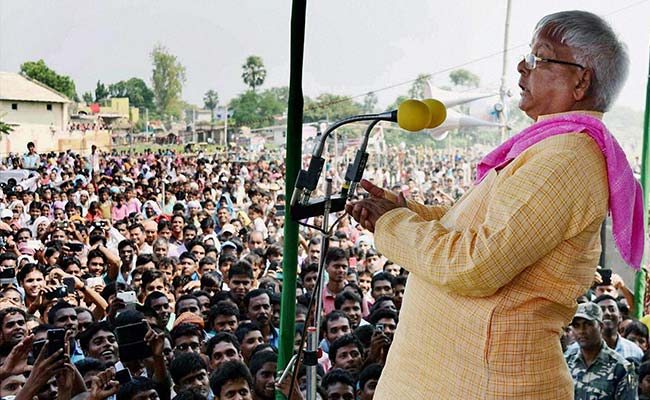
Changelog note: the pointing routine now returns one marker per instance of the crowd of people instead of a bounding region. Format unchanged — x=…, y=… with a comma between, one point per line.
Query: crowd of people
x=158, y=275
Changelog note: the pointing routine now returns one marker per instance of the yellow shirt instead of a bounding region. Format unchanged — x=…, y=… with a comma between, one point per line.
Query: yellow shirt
x=494, y=279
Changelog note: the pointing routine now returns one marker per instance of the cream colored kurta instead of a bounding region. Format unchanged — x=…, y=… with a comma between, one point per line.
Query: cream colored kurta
x=494, y=279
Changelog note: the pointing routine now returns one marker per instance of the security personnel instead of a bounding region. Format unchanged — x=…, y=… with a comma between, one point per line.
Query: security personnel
x=598, y=372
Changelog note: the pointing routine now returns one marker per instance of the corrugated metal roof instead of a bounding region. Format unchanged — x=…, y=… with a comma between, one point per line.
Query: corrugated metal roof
x=17, y=87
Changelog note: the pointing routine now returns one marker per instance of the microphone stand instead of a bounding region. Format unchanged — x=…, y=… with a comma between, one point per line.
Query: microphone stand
x=311, y=354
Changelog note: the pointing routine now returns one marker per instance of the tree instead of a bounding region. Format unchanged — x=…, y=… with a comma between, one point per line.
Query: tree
x=399, y=100
x=101, y=92
x=330, y=107
x=167, y=80
x=42, y=73
x=254, y=72
x=5, y=127
x=256, y=109
x=136, y=90
x=464, y=78
x=211, y=100
x=369, y=103
x=417, y=89
x=88, y=97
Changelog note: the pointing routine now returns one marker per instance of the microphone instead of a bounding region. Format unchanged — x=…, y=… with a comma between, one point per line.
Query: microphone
x=412, y=115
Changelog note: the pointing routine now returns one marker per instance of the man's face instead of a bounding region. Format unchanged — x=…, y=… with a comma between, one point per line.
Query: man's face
x=353, y=310
x=340, y=391
x=153, y=286
x=103, y=346
x=235, y=389
x=223, y=352
x=189, y=305
x=198, y=251
x=189, y=235
x=264, y=381
x=250, y=342
x=225, y=323
x=188, y=343
x=256, y=241
x=66, y=318
x=314, y=253
x=160, y=250
x=259, y=309
x=188, y=266
x=587, y=333
x=14, y=329
x=399, y=295
x=338, y=270
x=389, y=326
x=223, y=216
x=310, y=281
x=163, y=310
x=337, y=328
x=348, y=358
x=96, y=266
x=611, y=314
x=150, y=394
x=126, y=255
x=84, y=320
x=137, y=235
x=11, y=385
x=365, y=282
x=381, y=288
x=197, y=379
x=606, y=289
x=367, y=392
x=240, y=285
x=548, y=89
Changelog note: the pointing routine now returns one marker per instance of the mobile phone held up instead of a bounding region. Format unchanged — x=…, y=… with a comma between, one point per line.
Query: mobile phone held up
x=130, y=341
x=55, y=340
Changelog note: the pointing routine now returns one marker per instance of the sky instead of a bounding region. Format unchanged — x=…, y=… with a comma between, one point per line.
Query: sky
x=352, y=47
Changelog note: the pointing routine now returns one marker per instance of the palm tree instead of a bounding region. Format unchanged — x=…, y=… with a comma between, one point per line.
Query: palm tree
x=254, y=72
x=211, y=100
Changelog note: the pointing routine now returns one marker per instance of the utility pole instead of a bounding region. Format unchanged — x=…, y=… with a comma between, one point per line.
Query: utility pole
x=503, y=90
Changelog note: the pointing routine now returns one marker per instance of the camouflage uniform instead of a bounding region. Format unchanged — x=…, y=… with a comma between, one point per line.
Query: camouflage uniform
x=609, y=377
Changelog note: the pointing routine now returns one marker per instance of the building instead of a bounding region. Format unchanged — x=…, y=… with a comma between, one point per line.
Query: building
x=38, y=114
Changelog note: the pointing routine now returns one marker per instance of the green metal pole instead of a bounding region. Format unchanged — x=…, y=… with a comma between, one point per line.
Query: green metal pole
x=294, y=153
x=640, y=279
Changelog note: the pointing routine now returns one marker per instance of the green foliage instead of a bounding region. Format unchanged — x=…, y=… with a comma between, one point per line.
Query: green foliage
x=101, y=92
x=369, y=103
x=88, y=97
x=167, y=80
x=254, y=72
x=330, y=107
x=256, y=110
x=399, y=100
x=42, y=73
x=464, y=78
x=136, y=90
x=211, y=100
x=417, y=89
x=5, y=128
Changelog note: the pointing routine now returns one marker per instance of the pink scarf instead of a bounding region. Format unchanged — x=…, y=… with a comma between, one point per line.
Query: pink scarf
x=625, y=193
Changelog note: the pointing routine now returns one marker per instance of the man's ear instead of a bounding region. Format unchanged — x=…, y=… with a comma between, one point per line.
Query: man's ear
x=583, y=85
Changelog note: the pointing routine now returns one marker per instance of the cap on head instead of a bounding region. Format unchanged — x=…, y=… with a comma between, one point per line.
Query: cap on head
x=589, y=311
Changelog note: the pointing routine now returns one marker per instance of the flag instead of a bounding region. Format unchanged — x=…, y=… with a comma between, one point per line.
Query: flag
x=640, y=278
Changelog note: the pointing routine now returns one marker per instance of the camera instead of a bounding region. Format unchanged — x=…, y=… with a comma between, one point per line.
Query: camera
x=58, y=293
x=130, y=341
x=62, y=224
x=7, y=275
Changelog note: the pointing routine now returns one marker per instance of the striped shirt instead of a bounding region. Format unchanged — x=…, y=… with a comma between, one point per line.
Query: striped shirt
x=494, y=278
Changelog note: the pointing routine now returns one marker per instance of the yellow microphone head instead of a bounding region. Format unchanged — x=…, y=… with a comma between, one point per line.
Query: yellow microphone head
x=413, y=115
x=437, y=111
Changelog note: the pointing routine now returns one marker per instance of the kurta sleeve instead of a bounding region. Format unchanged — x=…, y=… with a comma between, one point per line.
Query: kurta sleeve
x=543, y=202
x=427, y=213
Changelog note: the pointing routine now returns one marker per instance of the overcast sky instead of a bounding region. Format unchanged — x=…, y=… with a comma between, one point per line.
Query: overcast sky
x=351, y=46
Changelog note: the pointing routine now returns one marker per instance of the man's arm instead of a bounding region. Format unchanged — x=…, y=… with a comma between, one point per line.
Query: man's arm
x=428, y=213
x=545, y=202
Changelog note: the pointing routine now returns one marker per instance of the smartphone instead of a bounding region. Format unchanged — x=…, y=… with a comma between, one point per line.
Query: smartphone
x=123, y=376
x=129, y=298
x=7, y=275
x=58, y=293
x=37, y=347
x=95, y=281
x=606, y=275
x=130, y=341
x=75, y=247
x=56, y=340
x=379, y=328
x=69, y=284
x=33, y=244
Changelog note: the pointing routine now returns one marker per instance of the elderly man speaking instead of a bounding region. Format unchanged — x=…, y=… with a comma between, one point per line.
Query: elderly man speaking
x=495, y=277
